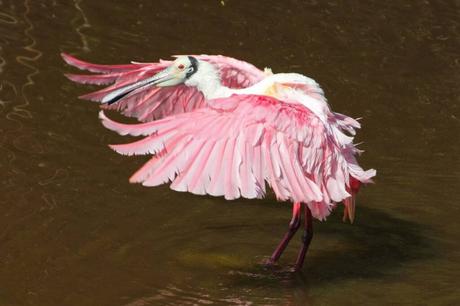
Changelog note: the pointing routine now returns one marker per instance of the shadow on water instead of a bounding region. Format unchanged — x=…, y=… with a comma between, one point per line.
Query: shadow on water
x=376, y=247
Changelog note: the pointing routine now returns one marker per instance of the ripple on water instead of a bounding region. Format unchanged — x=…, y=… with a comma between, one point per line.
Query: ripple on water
x=173, y=295
x=7, y=19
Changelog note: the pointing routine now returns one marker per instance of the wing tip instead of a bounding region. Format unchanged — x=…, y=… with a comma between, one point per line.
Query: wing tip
x=102, y=115
x=106, y=122
x=67, y=58
x=71, y=60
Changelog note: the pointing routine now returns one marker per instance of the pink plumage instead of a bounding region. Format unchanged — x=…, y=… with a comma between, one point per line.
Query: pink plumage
x=152, y=103
x=219, y=126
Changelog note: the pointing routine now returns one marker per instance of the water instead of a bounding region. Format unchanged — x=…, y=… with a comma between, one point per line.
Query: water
x=73, y=231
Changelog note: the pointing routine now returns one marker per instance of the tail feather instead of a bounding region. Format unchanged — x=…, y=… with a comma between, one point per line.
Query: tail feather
x=350, y=202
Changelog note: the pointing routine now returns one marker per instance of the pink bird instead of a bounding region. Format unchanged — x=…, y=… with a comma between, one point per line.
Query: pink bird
x=219, y=126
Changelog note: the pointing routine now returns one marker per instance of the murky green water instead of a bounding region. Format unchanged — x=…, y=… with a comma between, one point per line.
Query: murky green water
x=73, y=231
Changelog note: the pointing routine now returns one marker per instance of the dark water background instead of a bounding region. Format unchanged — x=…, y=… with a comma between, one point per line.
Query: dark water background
x=73, y=231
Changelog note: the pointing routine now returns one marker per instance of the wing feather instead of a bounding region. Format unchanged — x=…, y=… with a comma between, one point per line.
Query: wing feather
x=232, y=152
x=152, y=103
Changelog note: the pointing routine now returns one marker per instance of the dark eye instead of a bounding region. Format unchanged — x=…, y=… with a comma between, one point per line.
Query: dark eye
x=181, y=66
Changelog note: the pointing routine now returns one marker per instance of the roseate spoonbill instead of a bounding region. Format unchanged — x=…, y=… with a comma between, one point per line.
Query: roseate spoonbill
x=219, y=126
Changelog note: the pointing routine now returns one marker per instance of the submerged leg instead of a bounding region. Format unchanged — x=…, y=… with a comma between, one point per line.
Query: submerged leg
x=306, y=238
x=293, y=227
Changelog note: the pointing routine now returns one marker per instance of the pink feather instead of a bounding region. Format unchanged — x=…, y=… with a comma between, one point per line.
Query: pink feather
x=234, y=146
x=147, y=104
x=242, y=151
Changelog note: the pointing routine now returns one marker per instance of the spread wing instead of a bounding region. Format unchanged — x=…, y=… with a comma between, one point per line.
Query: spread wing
x=234, y=73
x=147, y=104
x=237, y=144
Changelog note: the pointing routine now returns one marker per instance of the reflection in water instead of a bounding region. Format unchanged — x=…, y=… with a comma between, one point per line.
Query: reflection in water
x=13, y=98
x=377, y=248
x=20, y=110
x=7, y=19
x=73, y=231
x=8, y=90
x=84, y=25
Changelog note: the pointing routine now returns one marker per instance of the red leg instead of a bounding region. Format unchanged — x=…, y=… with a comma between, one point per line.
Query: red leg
x=293, y=227
x=306, y=238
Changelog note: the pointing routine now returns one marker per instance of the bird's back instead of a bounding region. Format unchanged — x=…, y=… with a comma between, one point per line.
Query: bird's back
x=292, y=88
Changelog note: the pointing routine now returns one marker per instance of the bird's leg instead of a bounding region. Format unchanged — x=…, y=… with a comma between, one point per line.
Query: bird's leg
x=306, y=238
x=293, y=227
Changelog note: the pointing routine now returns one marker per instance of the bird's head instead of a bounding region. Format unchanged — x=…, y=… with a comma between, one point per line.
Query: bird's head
x=180, y=70
x=177, y=73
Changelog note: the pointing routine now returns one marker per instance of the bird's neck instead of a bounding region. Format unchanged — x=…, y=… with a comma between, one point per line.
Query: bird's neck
x=207, y=81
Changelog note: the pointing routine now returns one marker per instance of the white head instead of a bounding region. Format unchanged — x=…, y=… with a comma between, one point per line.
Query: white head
x=178, y=72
